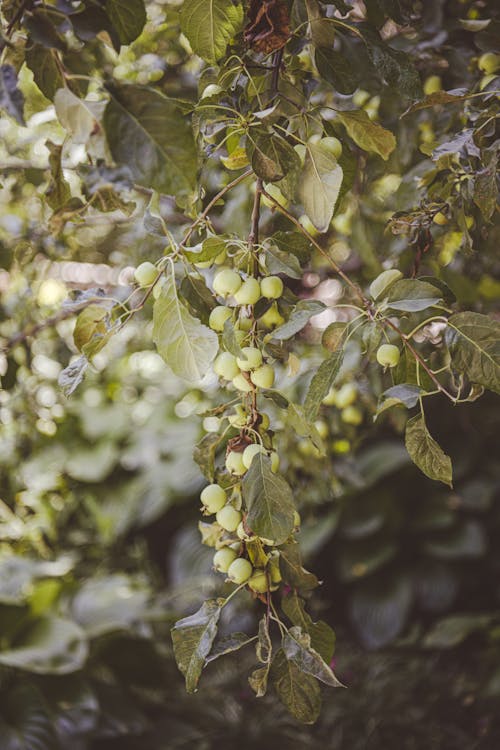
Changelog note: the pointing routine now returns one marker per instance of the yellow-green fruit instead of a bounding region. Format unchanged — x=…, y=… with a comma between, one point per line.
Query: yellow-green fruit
x=263, y=377
x=341, y=446
x=351, y=415
x=271, y=287
x=242, y=384
x=240, y=570
x=360, y=97
x=440, y=219
x=296, y=519
x=223, y=559
x=274, y=567
x=227, y=282
x=218, y=317
x=252, y=358
x=275, y=462
x=259, y=582
x=321, y=428
x=248, y=293
x=245, y=324
x=228, y=517
x=278, y=196
x=145, y=274
x=225, y=366
x=235, y=465
x=432, y=84
x=239, y=419
x=272, y=317
x=388, y=355
x=489, y=62
x=251, y=451
x=346, y=395
x=333, y=145
x=213, y=498
x=330, y=398
x=486, y=80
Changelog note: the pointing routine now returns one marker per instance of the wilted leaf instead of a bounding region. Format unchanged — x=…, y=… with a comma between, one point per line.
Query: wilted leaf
x=322, y=636
x=292, y=569
x=72, y=375
x=271, y=156
x=193, y=638
x=297, y=648
x=299, y=692
x=425, y=452
x=322, y=381
x=269, y=501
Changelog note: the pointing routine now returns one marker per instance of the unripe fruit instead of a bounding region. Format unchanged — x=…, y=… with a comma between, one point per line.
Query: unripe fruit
x=432, y=84
x=341, y=446
x=218, y=317
x=388, y=355
x=251, y=451
x=486, y=80
x=351, y=415
x=227, y=282
x=296, y=519
x=245, y=324
x=228, y=517
x=333, y=145
x=239, y=419
x=264, y=422
x=252, y=358
x=346, y=395
x=225, y=366
x=240, y=570
x=211, y=424
x=440, y=219
x=360, y=97
x=321, y=428
x=223, y=559
x=275, y=462
x=314, y=138
x=274, y=567
x=278, y=196
x=272, y=317
x=259, y=582
x=330, y=398
x=263, y=377
x=248, y=293
x=213, y=498
x=241, y=384
x=145, y=274
x=235, y=465
x=489, y=62
x=271, y=287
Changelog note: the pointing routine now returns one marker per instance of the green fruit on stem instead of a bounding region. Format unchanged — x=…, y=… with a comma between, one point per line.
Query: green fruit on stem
x=213, y=497
x=275, y=462
x=228, y=517
x=271, y=287
x=225, y=366
x=333, y=145
x=251, y=451
x=242, y=384
x=223, y=559
x=146, y=274
x=240, y=570
x=218, y=317
x=259, y=582
x=234, y=464
x=239, y=418
x=346, y=395
x=432, y=84
x=489, y=62
x=351, y=415
x=272, y=317
x=248, y=293
x=252, y=358
x=263, y=377
x=296, y=519
x=245, y=324
x=264, y=422
x=388, y=355
x=227, y=282
x=440, y=219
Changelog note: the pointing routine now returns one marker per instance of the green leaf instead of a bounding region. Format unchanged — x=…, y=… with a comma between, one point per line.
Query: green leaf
x=322, y=636
x=229, y=339
x=281, y=261
x=91, y=330
x=128, y=17
x=58, y=192
x=425, y=452
x=149, y=134
x=474, y=343
x=193, y=638
x=199, y=297
x=74, y=115
x=410, y=295
x=19, y=574
x=322, y=381
x=297, y=648
x=333, y=336
x=298, y=421
x=337, y=69
x=210, y=25
x=46, y=72
x=204, y=454
x=292, y=569
x=437, y=98
x=271, y=156
x=49, y=645
x=299, y=317
x=299, y=692
x=405, y=394
x=11, y=98
x=319, y=186
x=485, y=187
x=269, y=501
x=210, y=249
x=228, y=644
x=392, y=65
x=187, y=346
x=368, y=135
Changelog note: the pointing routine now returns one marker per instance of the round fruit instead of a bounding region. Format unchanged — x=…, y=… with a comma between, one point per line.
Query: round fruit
x=213, y=498
x=259, y=582
x=227, y=282
x=264, y=422
x=263, y=377
x=346, y=395
x=225, y=366
x=239, y=419
x=440, y=219
x=218, y=317
x=321, y=428
x=211, y=424
x=489, y=62
x=296, y=519
x=360, y=97
x=351, y=415
x=223, y=559
x=341, y=446
x=333, y=145
x=240, y=570
x=235, y=465
x=388, y=355
x=145, y=274
x=241, y=384
x=432, y=84
x=275, y=462
x=252, y=358
x=314, y=138
x=271, y=287
x=248, y=293
x=272, y=317
x=251, y=451
x=330, y=398
x=245, y=324
x=228, y=517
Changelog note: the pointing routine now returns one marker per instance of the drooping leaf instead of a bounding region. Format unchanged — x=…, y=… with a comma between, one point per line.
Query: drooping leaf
x=299, y=692
x=91, y=330
x=293, y=571
x=322, y=381
x=281, y=261
x=228, y=644
x=264, y=651
x=425, y=452
x=193, y=638
x=322, y=636
x=368, y=135
x=147, y=132
x=109, y=604
x=11, y=98
x=474, y=343
x=405, y=394
x=411, y=295
x=204, y=454
x=187, y=346
x=48, y=645
x=210, y=24
x=72, y=375
x=394, y=66
x=269, y=501
x=210, y=249
x=297, y=648
x=128, y=18
x=320, y=183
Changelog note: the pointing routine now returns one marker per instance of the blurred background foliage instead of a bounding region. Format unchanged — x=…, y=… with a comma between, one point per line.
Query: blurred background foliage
x=99, y=548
